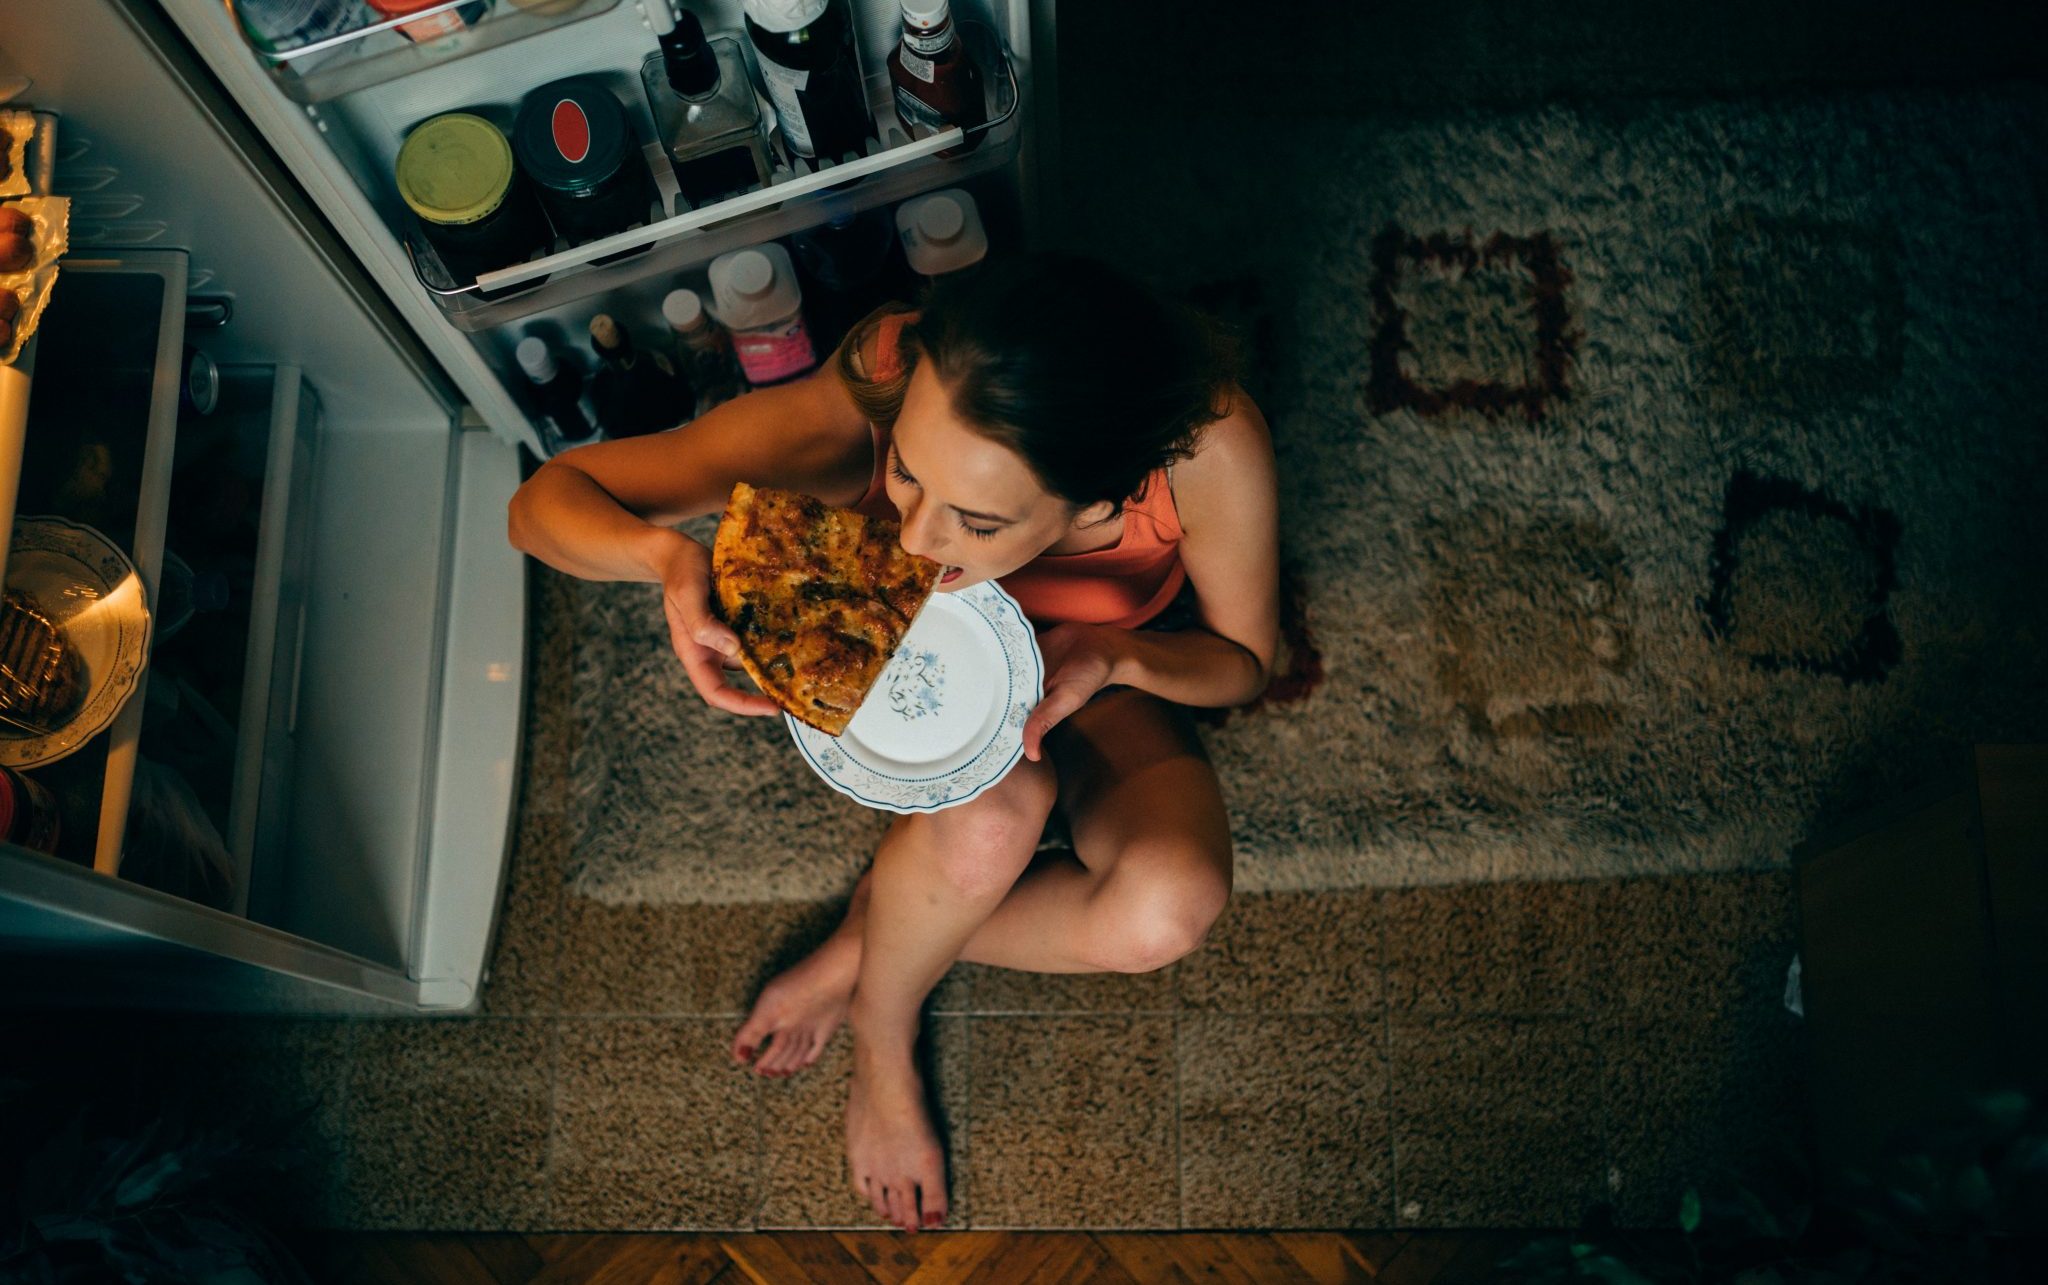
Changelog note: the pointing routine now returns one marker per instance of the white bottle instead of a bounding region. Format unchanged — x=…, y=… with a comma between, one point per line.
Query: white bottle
x=755, y=294
x=941, y=232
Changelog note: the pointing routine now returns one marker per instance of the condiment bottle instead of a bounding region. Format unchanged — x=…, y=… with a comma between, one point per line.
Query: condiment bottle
x=703, y=349
x=941, y=232
x=937, y=84
x=558, y=390
x=758, y=299
x=850, y=264
x=705, y=112
x=634, y=392
x=810, y=63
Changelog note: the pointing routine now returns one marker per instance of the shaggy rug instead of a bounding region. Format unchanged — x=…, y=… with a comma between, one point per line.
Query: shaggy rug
x=1659, y=481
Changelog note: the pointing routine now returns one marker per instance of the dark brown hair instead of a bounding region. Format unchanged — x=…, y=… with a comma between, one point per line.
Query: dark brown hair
x=1090, y=376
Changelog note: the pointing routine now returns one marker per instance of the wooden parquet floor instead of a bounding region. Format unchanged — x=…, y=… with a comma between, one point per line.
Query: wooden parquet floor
x=893, y=1258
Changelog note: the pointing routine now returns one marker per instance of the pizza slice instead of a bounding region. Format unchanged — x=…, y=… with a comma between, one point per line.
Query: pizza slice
x=820, y=598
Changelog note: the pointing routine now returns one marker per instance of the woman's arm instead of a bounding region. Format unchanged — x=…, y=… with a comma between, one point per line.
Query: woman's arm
x=1227, y=497
x=603, y=511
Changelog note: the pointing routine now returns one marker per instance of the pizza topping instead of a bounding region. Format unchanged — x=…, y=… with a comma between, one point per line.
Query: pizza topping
x=819, y=597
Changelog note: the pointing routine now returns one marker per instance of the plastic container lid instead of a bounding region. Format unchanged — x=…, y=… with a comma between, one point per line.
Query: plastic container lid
x=535, y=359
x=925, y=14
x=454, y=168
x=571, y=134
x=754, y=286
x=941, y=232
x=683, y=309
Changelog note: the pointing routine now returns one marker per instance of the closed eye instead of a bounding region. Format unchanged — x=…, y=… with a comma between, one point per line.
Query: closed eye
x=896, y=471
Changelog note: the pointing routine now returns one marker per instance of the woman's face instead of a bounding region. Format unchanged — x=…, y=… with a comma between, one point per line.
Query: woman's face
x=967, y=502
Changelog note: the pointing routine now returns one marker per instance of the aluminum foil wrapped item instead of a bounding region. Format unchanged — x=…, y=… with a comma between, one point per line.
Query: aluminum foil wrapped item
x=16, y=129
x=43, y=222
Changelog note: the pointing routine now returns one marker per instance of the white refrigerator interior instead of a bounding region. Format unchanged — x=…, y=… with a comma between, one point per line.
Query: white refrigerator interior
x=364, y=758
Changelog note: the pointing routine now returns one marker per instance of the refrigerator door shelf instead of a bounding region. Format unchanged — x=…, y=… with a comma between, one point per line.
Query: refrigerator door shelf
x=894, y=169
x=375, y=52
x=97, y=449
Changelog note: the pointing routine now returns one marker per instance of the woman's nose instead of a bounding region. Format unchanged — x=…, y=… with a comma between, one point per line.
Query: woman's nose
x=920, y=536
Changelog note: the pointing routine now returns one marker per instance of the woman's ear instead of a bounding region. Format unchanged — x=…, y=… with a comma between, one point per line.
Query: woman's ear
x=1094, y=514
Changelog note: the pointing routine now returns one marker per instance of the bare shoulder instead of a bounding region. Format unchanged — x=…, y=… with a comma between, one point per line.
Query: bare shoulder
x=1232, y=463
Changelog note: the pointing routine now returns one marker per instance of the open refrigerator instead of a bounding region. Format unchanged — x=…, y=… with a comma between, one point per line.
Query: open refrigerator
x=341, y=727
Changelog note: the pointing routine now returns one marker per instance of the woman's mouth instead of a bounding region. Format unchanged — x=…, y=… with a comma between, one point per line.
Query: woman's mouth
x=950, y=575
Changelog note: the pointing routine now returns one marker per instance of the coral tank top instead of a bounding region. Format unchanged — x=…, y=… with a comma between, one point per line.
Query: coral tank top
x=1124, y=585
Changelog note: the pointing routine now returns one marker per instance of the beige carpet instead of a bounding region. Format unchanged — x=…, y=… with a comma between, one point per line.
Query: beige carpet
x=1657, y=480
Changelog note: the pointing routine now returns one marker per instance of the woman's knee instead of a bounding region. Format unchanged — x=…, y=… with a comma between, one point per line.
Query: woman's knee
x=982, y=846
x=1157, y=911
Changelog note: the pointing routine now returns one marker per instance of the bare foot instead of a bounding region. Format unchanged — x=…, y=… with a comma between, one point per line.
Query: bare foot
x=801, y=1008
x=891, y=1150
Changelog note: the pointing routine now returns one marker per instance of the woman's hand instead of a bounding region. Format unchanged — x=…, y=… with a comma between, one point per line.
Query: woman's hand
x=1079, y=660
x=703, y=643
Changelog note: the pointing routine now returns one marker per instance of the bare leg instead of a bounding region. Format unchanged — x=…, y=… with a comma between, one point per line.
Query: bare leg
x=1040, y=927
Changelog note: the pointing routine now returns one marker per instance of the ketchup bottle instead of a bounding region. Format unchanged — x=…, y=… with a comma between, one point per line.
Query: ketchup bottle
x=937, y=84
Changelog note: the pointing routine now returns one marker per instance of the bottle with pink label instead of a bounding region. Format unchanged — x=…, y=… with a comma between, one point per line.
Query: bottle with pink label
x=755, y=294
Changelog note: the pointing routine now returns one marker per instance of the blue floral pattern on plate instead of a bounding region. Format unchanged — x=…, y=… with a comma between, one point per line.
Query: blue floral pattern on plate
x=913, y=685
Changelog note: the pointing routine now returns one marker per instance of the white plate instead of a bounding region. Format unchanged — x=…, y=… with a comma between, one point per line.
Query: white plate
x=90, y=590
x=945, y=721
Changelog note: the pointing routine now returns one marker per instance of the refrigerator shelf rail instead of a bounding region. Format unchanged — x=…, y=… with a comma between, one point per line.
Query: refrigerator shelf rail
x=886, y=174
x=376, y=52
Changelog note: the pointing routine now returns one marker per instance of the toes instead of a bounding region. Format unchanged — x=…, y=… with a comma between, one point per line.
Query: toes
x=748, y=1040
x=779, y=1059
x=902, y=1206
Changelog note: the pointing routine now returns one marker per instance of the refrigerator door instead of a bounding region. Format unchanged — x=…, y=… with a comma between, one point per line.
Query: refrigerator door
x=362, y=727
x=338, y=126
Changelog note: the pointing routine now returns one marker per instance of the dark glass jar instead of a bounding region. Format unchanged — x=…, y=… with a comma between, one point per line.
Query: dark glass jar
x=810, y=63
x=573, y=140
x=455, y=173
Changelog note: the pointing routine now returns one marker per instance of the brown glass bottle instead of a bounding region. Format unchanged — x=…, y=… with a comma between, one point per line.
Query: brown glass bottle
x=937, y=85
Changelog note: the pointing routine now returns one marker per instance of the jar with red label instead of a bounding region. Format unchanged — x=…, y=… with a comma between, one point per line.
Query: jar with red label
x=28, y=813
x=434, y=25
x=574, y=141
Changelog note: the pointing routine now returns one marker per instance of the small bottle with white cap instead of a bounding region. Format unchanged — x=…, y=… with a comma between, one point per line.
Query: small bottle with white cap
x=703, y=349
x=755, y=293
x=558, y=390
x=941, y=232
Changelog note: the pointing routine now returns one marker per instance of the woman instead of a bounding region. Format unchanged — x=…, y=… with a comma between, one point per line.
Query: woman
x=1047, y=422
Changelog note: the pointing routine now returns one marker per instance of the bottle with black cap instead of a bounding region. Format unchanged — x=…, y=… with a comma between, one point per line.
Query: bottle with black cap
x=634, y=392
x=705, y=112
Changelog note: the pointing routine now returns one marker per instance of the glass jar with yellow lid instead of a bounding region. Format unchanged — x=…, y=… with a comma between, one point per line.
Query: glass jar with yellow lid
x=457, y=175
